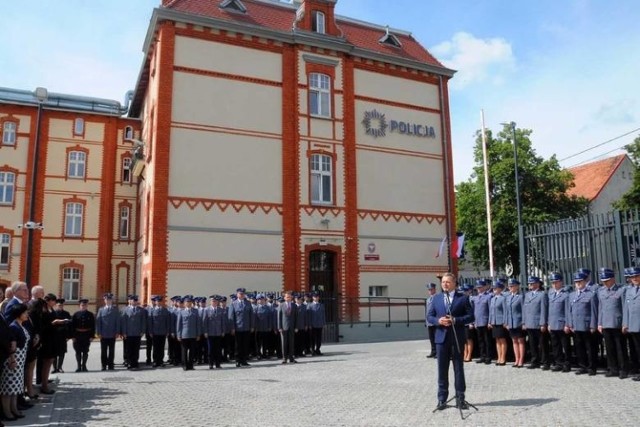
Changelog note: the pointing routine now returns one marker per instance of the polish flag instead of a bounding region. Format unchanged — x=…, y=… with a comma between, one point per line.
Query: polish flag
x=457, y=247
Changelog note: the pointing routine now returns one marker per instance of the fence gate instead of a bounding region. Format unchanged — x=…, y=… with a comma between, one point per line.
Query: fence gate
x=610, y=240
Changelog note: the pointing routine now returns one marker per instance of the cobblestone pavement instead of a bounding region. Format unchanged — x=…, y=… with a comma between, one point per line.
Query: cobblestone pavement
x=381, y=384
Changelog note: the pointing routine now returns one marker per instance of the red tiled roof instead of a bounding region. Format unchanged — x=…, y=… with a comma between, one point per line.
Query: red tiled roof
x=590, y=178
x=281, y=18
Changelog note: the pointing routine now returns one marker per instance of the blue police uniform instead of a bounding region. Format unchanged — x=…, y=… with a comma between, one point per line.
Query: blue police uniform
x=481, y=314
x=631, y=317
x=317, y=311
x=264, y=327
x=108, y=328
x=188, y=330
x=242, y=321
x=610, y=311
x=159, y=329
x=558, y=310
x=214, y=321
x=582, y=320
x=134, y=325
x=534, y=317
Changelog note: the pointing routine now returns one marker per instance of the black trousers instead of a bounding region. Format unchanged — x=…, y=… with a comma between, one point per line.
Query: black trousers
x=432, y=339
x=133, y=351
x=616, y=347
x=634, y=343
x=585, y=350
x=148, y=347
x=175, y=351
x=316, y=339
x=228, y=346
x=288, y=344
x=538, y=347
x=483, y=342
x=188, y=352
x=262, y=344
x=158, y=349
x=107, y=349
x=243, y=343
x=299, y=342
x=215, y=350
x=560, y=348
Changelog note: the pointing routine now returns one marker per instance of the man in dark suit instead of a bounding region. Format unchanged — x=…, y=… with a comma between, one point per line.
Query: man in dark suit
x=450, y=311
x=286, y=323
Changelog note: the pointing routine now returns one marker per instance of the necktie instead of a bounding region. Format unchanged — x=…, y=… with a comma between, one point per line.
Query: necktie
x=288, y=308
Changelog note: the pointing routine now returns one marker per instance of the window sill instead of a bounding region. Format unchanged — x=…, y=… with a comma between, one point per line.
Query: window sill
x=75, y=177
x=319, y=116
x=317, y=203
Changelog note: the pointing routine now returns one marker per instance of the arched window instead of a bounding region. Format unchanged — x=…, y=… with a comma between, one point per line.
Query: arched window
x=318, y=22
x=5, y=250
x=126, y=170
x=78, y=126
x=9, y=130
x=128, y=133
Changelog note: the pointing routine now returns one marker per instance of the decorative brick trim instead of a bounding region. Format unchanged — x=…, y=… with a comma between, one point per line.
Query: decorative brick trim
x=235, y=39
x=370, y=268
x=351, y=280
x=159, y=244
x=71, y=264
x=16, y=175
x=290, y=169
x=83, y=202
x=395, y=71
x=310, y=210
x=107, y=201
x=86, y=162
x=225, y=266
x=11, y=119
x=222, y=205
x=226, y=130
x=401, y=216
x=398, y=152
x=11, y=233
x=397, y=104
x=220, y=75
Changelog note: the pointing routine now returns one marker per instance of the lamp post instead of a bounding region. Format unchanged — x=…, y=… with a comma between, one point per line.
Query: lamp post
x=523, y=271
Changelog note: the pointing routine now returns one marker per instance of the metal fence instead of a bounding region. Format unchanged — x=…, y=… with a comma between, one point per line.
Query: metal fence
x=609, y=240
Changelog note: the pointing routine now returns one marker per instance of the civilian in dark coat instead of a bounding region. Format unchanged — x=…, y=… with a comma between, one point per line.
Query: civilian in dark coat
x=286, y=324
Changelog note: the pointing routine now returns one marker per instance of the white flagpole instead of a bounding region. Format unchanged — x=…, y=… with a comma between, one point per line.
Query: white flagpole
x=486, y=192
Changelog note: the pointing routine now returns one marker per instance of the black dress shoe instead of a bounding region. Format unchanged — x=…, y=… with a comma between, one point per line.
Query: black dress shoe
x=480, y=361
x=623, y=375
x=284, y=362
x=545, y=367
x=441, y=405
x=47, y=391
x=581, y=371
x=533, y=366
x=238, y=364
x=592, y=372
x=293, y=361
x=636, y=378
x=566, y=369
x=18, y=416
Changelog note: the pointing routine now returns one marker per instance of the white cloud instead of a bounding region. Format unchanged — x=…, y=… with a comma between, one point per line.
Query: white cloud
x=477, y=60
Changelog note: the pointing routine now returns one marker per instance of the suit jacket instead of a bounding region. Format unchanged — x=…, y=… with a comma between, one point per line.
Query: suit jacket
x=287, y=316
x=301, y=321
x=534, y=309
x=264, y=318
x=460, y=310
x=631, y=314
x=134, y=321
x=583, y=311
x=558, y=309
x=481, y=309
x=497, y=310
x=514, y=311
x=610, y=306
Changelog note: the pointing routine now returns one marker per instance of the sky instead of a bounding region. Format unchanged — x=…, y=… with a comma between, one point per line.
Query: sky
x=569, y=70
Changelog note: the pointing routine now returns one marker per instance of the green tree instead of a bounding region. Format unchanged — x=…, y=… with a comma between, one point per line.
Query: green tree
x=543, y=196
x=631, y=199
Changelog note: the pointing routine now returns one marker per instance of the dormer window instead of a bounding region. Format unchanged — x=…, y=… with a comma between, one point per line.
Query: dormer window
x=318, y=22
x=233, y=5
x=390, y=39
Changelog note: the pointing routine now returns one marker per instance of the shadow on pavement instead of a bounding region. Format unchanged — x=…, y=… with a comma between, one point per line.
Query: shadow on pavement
x=79, y=405
x=519, y=402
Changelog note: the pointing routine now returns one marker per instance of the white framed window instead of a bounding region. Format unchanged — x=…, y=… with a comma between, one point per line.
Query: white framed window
x=7, y=187
x=318, y=22
x=321, y=179
x=78, y=126
x=126, y=169
x=9, y=133
x=77, y=164
x=125, y=215
x=5, y=249
x=70, y=283
x=320, y=95
x=378, y=291
x=128, y=133
x=73, y=219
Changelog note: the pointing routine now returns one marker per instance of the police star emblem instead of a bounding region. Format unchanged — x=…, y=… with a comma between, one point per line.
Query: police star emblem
x=375, y=123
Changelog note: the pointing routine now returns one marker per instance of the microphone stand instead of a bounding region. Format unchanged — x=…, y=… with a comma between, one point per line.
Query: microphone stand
x=461, y=402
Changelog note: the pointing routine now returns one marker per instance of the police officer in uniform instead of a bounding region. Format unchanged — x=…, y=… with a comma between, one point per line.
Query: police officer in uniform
x=481, y=313
x=242, y=322
x=534, y=318
x=159, y=327
x=301, y=326
x=513, y=316
x=610, y=301
x=631, y=314
x=188, y=330
x=62, y=334
x=134, y=325
x=582, y=321
x=264, y=327
x=108, y=328
x=83, y=324
x=214, y=322
x=558, y=311
x=175, y=350
x=431, y=289
x=497, y=320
